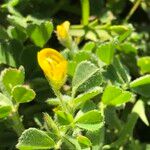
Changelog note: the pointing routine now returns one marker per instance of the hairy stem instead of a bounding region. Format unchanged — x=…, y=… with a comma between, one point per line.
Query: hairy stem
x=63, y=105
x=17, y=124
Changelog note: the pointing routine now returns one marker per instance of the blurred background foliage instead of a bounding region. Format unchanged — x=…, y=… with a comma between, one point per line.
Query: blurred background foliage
x=25, y=28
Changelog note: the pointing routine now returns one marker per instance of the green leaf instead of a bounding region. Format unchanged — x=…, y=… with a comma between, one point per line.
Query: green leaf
x=11, y=3
x=144, y=64
x=111, y=76
x=90, y=35
x=81, y=56
x=141, y=85
x=71, y=67
x=5, y=106
x=91, y=120
x=4, y=101
x=33, y=139
x=105, y=52
x=5, y=111
x=93, y=81
x=40, y=34
x=83, y=140
x=128, y=47
x=88, y=46
x=121, y=70
x=82, y=98
x=51, y=125
x=115, y=96
x=16, y=33
x=87, y=75
x=120, y=29
x=6, y=56
x=10, y=78
x=22, y=94
x=140, y=81
x=139, y=108
x=88, y=106
x=3, y=33
x=111, y=118
x=56, y=101
x=64, y=118
x=18, y=21
x=97, y=138
x=10, y=52
x=125, y=35
x=117, y=74
x=72, y=143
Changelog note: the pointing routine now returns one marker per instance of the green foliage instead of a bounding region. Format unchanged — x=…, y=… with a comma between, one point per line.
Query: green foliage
x=104, y=103
x=91, y=120
x=35, y=139
x=11, y=78
x=141, y=85
x=122, y=71
x=117, y=74
x=40, y=34
x=128, y=47
x=16, y=33
x=115, y=96
x=13, y=93
x=5, y=111
x=82, y=98
x=144, y=63
x=84, y=141
x=105, y=52
x=56, y=101
x=140, y=110
x=3, y=33
x=87, y=75
x=5, y=106
x=88, y=46
x=72, y=143
x=5, y=101
x=6, y=54
x=64, y=118
x=22, y=94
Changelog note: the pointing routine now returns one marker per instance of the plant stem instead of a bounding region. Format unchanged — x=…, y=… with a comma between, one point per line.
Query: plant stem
x=85, y=11
x=76, y=26
x=112, y=118
x=17, y=125
x=133, y=9
x=58, y=145
x=127, y=131
x=63, y=105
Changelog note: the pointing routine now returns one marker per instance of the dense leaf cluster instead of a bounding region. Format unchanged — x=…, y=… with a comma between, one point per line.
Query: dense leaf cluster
x=107, y=92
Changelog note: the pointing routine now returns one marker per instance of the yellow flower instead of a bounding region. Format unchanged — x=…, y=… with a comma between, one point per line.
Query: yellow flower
x=63, y=34
x=62, y=30
x=54, y=66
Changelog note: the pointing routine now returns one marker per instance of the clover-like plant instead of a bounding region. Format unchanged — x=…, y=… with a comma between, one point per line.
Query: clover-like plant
x=13, y=93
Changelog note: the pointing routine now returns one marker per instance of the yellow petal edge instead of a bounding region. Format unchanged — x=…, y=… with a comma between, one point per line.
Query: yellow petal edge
x=62, y=30
x=53, y=65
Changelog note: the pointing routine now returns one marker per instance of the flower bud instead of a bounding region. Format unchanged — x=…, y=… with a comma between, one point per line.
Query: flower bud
x=63, y=34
